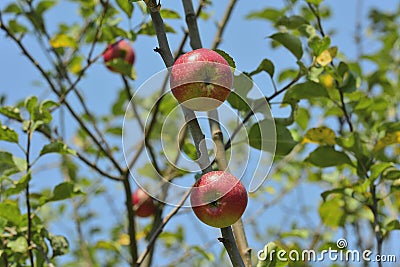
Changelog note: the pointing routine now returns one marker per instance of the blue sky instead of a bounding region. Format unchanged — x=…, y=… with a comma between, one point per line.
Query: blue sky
x=244, y=40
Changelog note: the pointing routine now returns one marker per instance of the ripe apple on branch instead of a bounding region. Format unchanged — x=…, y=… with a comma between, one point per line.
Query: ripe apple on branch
x=119, y=57
x=201, y=80
x=218, y=199
x=142, y=203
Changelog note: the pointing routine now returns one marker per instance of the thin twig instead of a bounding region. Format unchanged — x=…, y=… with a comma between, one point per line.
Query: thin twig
x=131, y=219
x=343, y=105
x=377, y=228
x=222, y=24
x=27, y=194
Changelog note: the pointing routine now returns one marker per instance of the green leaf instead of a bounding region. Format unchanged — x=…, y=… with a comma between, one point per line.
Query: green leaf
x=59, y=245
x=389, y=127
x=391, y=174
x=169, y=14
x=115, y=130
x=327, y=156
x=307, y=30
x=268, y=14
x=306, y=90
x=344, y=191
x=10, y=212
x=301, y=233
x=118, y=107
x=148, y=29
x=43, y=6
x=261, y=137
x=126, y=6
x=13, y=8
x=121, y=66
x=242, y=84
x=3, y=224
x=31, y=106
x=168, y=104
x=265, y=65
x=349, y=83
x=315, y=2
x=378, y=168
x=57, y=147
x=285, y=142
x=393, y=225
x=292, y=22
x=16, y=27
x=18, y=186
x=11, y=112
x=19, y=245
x=332, y=212
x=227, y=57
x=190, y=150
x=9, y=164
x=107, y=245
x=148, y=171
x=319, y=45
x=302, y=117
x=291, y=42
x=7, y=134
x=63, y=191
x=238, y=102
x=47, y=104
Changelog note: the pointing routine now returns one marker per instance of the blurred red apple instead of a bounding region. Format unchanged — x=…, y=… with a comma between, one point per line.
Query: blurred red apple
x=119, y=57
x=218, y=199
x=201, y=80
x=142, y=203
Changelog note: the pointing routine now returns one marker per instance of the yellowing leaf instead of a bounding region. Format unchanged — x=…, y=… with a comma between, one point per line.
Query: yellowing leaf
x=62, y=40
x=75, y=65
x=388, y=139
x=321, y=135
x=324, y=58
x=327, y=80
x=123, y=240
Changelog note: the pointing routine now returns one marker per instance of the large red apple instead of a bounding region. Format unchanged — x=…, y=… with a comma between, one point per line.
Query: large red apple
x=142, y=203
x=201, y=80
x=218, y=199
x=119, y=57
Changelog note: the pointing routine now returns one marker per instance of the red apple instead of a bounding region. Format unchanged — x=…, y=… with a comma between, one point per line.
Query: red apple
x=142, y=203
x=201, y=80
x=218, y=199
x=119, y=57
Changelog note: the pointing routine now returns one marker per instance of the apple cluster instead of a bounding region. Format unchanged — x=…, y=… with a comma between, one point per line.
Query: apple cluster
x=201, y=80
